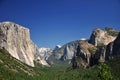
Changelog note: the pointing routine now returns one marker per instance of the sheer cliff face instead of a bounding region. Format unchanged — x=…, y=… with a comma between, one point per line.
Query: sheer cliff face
x=66, y=52
x=16, y=39
x=116, y=46
x=113, y=49
x=100, y=36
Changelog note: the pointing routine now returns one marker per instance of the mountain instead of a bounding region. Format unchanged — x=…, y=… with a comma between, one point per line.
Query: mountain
x=16, y=40
x=45, y=52
x=104, y=47
x=66, y=52
x=100, y=36
x=113, y=49
x=87, y=50
x=83, y=54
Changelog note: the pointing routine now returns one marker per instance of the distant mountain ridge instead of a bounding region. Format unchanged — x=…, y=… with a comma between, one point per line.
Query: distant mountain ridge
x=101, y=46
x=98, y=38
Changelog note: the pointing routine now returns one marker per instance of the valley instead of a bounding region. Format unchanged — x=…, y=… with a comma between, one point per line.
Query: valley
x=97, y=58
x=59, y=39
x=12, y=69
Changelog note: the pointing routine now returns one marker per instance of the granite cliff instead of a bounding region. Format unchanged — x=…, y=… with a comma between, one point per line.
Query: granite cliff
x=16, y=40
x=87, y=52
x=100, y=36
x=113, y=48
x=66, y=52
x=83, y=54
x=103, y=45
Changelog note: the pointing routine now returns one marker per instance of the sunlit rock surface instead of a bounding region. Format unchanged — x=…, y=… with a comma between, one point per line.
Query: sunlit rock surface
x=16, y=40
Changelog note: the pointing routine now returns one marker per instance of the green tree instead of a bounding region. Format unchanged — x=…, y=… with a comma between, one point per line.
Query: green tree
x=111, y=31
x=105, y=73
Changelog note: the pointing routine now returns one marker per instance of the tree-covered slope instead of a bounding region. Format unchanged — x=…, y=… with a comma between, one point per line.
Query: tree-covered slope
x=13, y=69
x=115, y=67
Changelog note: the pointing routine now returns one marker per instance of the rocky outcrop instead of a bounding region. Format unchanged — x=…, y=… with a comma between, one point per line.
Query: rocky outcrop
x=113, y=49
x=16, y=40
x=103, y=40
x=103, y=48
x=99, y=56
x=116, y=46
x=87, y=53
x=110, y=51
x=100, y=36
x=82, y=56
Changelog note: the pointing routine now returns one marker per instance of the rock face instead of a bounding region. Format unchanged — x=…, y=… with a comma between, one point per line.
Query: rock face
x=94, y=51
x=82, y=56
x=99, y=56
x=16, y=40
x=66, y=52
x=100, y=36
x=45, y=52
x=79, y=52
x=86, y=53
x=113, y=49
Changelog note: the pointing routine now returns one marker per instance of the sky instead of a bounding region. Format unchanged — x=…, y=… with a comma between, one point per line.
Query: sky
x=57, y=22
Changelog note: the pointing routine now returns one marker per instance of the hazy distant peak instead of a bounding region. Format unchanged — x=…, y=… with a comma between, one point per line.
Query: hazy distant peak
x=43, y=49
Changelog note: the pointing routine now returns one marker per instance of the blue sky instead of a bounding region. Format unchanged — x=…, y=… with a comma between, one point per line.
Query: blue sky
x=53, y=22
